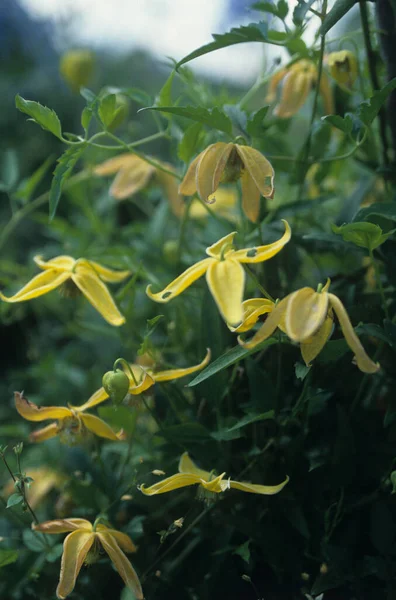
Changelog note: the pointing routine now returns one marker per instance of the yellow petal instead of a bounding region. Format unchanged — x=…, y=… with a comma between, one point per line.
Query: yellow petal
x=188, y=186
x=59, y=262
x=130, y=180
x=75, y=548
x=311, y=347
x=175, y=482
x=250, y=197
x=226, y=281
x=106, y=274
x=32, y=412
x=177, y=373
x=221, y=165
x=63, y=526
x=178, y=285
x=274, y=82
x=99, y=427
x=268, y=327
x=122, y=564
x=216, y=249
x=306, y=312
x=364, y=363
x=97, y=397
x=44, y=434
x=224, y=201
x=252, y=488
x=296, y=87
x=259, y=169
x=113, y=165
x=171, y=189
x=252, y=311
x=186, y=465
x=40, y=284
x=97, y=294
x=260, y=253
x=216, y=485
x=122, y=539
x=207, y=167
x=144, y=379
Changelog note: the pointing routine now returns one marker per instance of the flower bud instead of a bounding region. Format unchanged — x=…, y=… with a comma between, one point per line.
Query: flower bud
x=116, y=385
x=122, y=111
x=343, y=67
x=76, y=67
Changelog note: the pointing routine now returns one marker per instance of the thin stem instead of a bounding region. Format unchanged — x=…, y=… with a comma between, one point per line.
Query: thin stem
x=258, y=284
x=183, y=226
x=379, y=283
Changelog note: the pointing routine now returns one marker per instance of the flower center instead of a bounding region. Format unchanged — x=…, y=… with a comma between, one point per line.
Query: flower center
x=233, y=169
x=68, y=289
x=94, y=553
x=71, y=430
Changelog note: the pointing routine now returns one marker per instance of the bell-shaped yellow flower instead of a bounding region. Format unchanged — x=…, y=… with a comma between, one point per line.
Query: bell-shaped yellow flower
x=86, y=275
x=297, y=81
x=190, y=474
x=306, y=316
x=343, y=67
x=225, y=275
x=143, y=379
x=133, y=174
x=83, y=544
x=227, y=163
x=71, y=424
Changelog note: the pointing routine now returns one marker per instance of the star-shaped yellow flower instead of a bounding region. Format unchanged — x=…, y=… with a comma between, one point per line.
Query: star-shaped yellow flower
x=306, y=316
x=86, y=275
x=133, y=174
x=226, y=163
x=71, y=424
x=83, y=545
x=190, y=474
x=225, y=275
x=297, y=81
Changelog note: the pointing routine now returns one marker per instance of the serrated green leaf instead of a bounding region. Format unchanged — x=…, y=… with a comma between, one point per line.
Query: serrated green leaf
x=43, y=116
x=254, y=125
x=28, y=187
x=369, y=109
x=7, y=557
x=107, y=109
x=344, y=124
x=383, y=209
x=64, y=168
x=362, y=234
x=237, y=116
x=165, y=94
x=214, y=117
x=189, y=143
x=13, y=500
x=340, y=8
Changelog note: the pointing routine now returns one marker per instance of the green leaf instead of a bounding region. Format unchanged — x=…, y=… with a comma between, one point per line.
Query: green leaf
x=119, y=417
x=53, y=554
x=108, y=110
x=340, y=8
x=64, y=168
x=301, y=371
x=369, y=109
x=344, y=124
x=363, y=234
x=9, y=170
x=229, y=358
x=28, y=187
x=189, y=143
x=229, y=433
x=243, y=551
x=7, y=557
x=254, y=126
x=165, y=94
x=301, y=10
x=214, y=117
x=43, y=116
x=237, y=116
x=384, y=209
x=14, y=499
x=185, y=433
x=33, y=541
x=86, y=117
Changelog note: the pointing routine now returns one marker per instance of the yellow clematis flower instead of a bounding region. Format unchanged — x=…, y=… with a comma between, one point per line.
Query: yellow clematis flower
x=83, y=545
x=133, y=174
x=45, y=479
x=225, y=275
x=71, y=424
x=82, y=274
x=190, y=474
x=227, y=163
x=343, y=67
x=297, y=81
x=143, y=379
x=306, y=316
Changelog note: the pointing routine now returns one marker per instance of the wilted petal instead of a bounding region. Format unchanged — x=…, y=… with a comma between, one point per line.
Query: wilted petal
x=113, y=165
x=313, y=345
x=63, y=525
x=226, y=281
x=142, y=377
x=75, y=548
x=171, y=374
x=59, y=262
x=178, y=285
x=99, y=427
x=122, y=564
x=296, y=87
x=221, y=165
x=97, y=294
x=306, y=312
x=250, y=197
x=252, y=311
x=259, y=169
x=106, y=274
x=188, y=186
x=130, y=180
x=364, y=363
x=252, y=488
x=122, y=539
x=32, y=412
x=174, y=482
x=261, y=253
x=207, y=168
x=186, y=465
x=40, y=284
x=44, y=434
x=267, y=329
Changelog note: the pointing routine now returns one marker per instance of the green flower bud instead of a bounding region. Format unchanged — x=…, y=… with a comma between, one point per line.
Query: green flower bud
x=122, y=111
x=76, y=67
x=116, y=384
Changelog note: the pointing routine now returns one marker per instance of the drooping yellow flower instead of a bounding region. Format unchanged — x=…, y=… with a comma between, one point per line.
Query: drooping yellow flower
x=343, y=67
x=297, y=81
x=134, y=173
x=82, y=274
x=71, y=424
x=143, y=379
x=225, y=275
x=227, y=163
x=306, y=316
x=190, y=474
x=83, y=545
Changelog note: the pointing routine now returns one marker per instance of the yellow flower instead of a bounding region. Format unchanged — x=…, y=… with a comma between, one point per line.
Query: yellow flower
x=223, y=203
x=83, y=545
x=76, y=67
x=306, y=316
x=343, y=67
x=44, y=480
x=71, y=424
x=86, y=275
x=225, y=275
x=297, y=81
x=190, y=474
x=133, y=174
x=143, y=379
x=227, y=163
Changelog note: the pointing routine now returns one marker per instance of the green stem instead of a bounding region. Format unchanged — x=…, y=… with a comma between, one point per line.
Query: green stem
x=258, y=284
x=379, y=283
x=183, y=226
